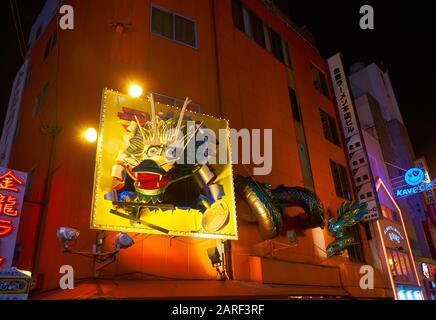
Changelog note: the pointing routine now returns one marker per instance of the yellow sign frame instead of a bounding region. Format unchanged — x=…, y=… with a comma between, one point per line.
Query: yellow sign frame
x=178, y=222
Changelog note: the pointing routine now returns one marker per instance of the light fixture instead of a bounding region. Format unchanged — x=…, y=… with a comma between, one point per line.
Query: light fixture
x=214, y=257
x=66, y=236
x=135, y=91
x=123, y=241
x=90, y=135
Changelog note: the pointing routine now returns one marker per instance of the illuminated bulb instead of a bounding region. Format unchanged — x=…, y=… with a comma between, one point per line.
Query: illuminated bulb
x=90, y=135
x=135, y=91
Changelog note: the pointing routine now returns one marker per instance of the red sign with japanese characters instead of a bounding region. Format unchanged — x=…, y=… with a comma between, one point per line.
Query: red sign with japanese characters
x=12, y=189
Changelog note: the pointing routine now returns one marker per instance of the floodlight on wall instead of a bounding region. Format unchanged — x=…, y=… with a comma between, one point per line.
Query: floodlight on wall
x=291, y=236
x=214, y=257
x=135, y=91
x=123, y=241
x=90, y=135
x=216, y=260
x=66, y=236
x=100, y=259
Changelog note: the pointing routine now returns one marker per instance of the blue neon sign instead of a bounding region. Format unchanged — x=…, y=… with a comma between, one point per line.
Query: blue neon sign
x=414, y=176
x=417, y=181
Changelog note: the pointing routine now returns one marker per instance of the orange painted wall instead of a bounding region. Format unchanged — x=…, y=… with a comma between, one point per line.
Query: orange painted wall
x=253, y=94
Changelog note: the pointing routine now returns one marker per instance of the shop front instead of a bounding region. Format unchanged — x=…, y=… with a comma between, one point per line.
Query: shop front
x=427, y=273
x=399, y=261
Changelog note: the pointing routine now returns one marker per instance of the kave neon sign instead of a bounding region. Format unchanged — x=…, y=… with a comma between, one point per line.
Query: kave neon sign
x=417, y=181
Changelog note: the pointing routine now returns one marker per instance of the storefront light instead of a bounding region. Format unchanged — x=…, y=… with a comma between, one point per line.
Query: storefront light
x=401, y=295
x=418, y=295
x=409, y=295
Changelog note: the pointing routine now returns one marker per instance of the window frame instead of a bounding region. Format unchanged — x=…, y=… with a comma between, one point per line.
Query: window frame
x=244, y=23
x=295, y=109
x=335, y=165
x=324, y=90
x=333, y=132
x=173, y=14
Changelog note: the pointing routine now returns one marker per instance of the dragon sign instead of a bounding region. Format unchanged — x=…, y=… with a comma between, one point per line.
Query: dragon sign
x=144, y=181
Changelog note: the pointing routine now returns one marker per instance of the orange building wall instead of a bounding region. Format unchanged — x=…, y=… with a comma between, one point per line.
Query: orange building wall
x=252, y=93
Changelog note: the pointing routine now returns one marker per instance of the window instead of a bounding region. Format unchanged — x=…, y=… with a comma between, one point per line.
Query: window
x=51, y=43
x=319, y=81
x=246, y=15
x=258, y=34
x=162, y=23
x=340, y=179
x=185, y=31
x=400, y=265
x=238, y=19
x=41, y=99
x=276, y=45
x=174, y=27
x=294, y=105
x=329, y=127
x=249, y=23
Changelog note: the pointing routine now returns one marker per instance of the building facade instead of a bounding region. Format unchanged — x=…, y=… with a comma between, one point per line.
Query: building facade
x=392, y=155
x=238, y=60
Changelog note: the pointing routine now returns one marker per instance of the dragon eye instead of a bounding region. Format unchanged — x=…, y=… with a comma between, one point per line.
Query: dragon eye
x=170, y=153
x=152, y=151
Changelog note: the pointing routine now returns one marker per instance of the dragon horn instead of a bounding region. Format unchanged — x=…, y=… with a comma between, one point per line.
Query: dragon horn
x=182, y=113
x=155, y=140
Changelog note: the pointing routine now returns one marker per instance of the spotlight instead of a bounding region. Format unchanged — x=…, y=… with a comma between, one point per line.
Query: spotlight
x=123, y=241
x=291, y=236
x=135, y=91
x=214, y=256
x=67, y=235
x=90, y=135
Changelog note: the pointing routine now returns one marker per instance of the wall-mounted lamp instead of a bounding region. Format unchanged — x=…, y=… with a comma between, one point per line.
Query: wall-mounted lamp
x=216, y=259
x=135, y=91
x=123, y=241
x=66, y=236
x=101, y=259
x=90, y=135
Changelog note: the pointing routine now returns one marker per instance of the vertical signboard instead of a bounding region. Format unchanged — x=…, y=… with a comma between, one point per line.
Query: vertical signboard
x=11, y=119
x=12, y=189
x=355, y=146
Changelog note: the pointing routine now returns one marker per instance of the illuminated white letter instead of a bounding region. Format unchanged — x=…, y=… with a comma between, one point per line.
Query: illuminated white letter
x=367, y=280
x=67, y=280
x=66, y=22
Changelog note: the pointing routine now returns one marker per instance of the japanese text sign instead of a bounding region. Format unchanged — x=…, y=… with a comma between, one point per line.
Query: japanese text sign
x=12, y=189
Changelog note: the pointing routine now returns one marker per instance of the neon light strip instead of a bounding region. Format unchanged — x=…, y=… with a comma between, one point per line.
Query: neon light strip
x=381, y=183
x=394, y=289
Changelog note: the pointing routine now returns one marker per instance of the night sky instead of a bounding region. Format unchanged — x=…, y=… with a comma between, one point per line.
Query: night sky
x=402, y=43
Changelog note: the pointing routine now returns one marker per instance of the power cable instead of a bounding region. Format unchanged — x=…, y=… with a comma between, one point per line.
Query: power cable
x=14, y=19
x=23, y=39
